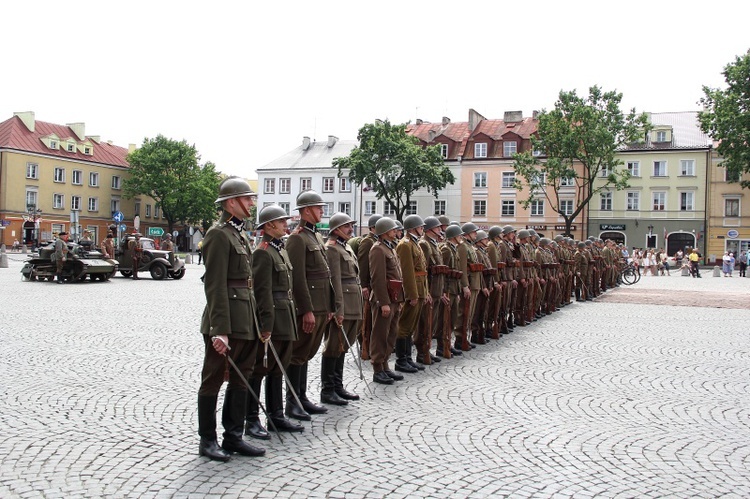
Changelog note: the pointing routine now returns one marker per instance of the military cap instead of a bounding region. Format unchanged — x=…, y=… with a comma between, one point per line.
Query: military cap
x=559, y=237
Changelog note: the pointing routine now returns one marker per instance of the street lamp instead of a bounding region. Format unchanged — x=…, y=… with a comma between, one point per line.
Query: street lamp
x=35, y=215
x=650, y=229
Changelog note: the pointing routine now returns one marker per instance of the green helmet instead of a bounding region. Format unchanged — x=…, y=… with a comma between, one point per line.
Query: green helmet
x=309, y=198
x=480, y=235
x=444, y=220
x=559, y=237
x=507, y=229
x=495, y=231
x=384, y=225
x=581, y=245
x=469, y=227
x=431, y=223
x=413, y=221
x=337, y=220
x=399, y=225
x=452, y=231
x=544, y=241
x=233, y=187
x=270, y=213
x=532, y=232
x=373, y=220
x=522, y=234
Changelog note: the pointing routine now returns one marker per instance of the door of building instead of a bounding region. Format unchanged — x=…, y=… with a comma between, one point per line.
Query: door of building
x=679, y=241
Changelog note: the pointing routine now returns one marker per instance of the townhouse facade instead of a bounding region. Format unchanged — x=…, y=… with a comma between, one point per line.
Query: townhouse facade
x=665, y=203
x=55, y=178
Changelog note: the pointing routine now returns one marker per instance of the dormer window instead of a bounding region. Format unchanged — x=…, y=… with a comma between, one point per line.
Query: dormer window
x=71, y=147
x=661, y=136
x=87, y=150
x=444, y=150
x=510, y=147
x=480, y=150
x=53, y=144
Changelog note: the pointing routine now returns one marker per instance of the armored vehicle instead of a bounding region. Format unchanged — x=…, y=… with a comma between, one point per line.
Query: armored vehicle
x=83, y=261
x=159, y=263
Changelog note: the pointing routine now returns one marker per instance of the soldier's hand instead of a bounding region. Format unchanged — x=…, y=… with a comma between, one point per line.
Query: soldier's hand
x=220, y=343
x=485, y=292
x=366, y=293
x=308, y=322
x=428, y=300
x=265, y=336
x=467, y=293
x=515, y=284
x=413, y=302
x=445, y=299
x=339, y=319
x=385, y=310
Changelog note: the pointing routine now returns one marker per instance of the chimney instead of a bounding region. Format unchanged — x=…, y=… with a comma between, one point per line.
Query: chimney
x=535, y=114
x=96, y=138
x=513, y=116
x=332, y=141
x=474, y=119
x=306, y=143
x=419, y=121
x=79, y=129
x=27, y=117
x=432, y=134
x=446, y=120
x=131, y=148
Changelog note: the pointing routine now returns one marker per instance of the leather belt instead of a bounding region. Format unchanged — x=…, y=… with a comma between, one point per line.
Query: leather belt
x=350, y=280
x=240, y=283
x=318, y=275
x=281, y=295
x=420, y=273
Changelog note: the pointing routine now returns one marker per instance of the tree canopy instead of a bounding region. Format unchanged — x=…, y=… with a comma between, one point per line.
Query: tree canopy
x=726, y=118
x=394, y=164
x=170, y=173
x=575, y=146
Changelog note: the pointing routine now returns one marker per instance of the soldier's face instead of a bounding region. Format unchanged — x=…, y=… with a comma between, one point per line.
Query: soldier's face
x=345, y=231
x=471, y=236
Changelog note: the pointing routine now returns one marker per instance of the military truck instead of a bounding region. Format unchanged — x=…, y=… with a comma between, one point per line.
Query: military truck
x=159, y=263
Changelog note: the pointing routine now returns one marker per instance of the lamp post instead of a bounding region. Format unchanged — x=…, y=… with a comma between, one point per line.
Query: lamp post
x=650, y=230
x=35, y=215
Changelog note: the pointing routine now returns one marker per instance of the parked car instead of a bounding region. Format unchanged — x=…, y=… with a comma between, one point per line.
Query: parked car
x=159, y=263
x=83, y=261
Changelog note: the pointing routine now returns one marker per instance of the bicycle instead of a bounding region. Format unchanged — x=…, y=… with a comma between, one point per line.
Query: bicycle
x=630, y=274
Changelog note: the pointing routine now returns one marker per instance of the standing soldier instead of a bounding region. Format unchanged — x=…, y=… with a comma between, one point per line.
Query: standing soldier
x=436, y=276
x=471, y=280
x=312, y=297
x=521, y=253
x=386, y=298
x=363, y=259
x=479, y=321
x=228, y=324
x=347, y=313
x=134, y=245
x=581, y=271
x=497, y=293
x=510, y=276
x=108, y=246
x=272, y=276
x=449, y=251
x=416, y=294
x=167, y=244
x=61, y=255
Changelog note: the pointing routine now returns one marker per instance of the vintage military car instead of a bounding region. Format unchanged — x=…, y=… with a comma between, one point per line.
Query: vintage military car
x=159, y=263
x=83, y=261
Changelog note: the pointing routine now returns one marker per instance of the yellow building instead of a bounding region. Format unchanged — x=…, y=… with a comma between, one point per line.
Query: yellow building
x=728, y=216
x=55, y=178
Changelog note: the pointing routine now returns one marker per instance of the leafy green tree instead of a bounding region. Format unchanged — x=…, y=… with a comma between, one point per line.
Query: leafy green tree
x=169, y=172
x=576, y=144
x=726, y=118
x=394, y=164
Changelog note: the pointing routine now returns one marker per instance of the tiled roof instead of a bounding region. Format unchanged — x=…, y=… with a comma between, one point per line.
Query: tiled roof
x=14, y=135
x=317, y=155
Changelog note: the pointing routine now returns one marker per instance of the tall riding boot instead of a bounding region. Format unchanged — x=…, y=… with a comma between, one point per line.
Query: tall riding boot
x=309, y=406
x=253, y=428
x=408, y=350
x=209, y=447
x=233, y=419
x=328, y=393
x=275, y=406
x=338, y=379
x=578, y=294
x=402, y=364
x=292, y=409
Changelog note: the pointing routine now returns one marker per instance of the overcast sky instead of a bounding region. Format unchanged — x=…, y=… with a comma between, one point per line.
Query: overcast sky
x=245, y=81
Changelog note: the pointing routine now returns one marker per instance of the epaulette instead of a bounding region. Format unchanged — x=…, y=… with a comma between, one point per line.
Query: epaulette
x=331, y=242
x=297, y=230
x=263, y=245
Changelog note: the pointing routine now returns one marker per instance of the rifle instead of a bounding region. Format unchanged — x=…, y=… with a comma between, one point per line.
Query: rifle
x=447, y=330
x=495, y=311
x=364, y=331
x=427, y=336
x=465, y=345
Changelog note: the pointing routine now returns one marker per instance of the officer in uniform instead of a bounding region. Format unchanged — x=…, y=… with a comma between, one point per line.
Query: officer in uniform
x=228, y=324
x=313, y=297
x=108, y=246
x=386, y=298
x=61, y=255
x=416, y=294
x=134, y=245
x=449, y=252
x=436, y=275
x=363, y=259
x=167, y=244
x=471, y=280
x=272, y=285
x=347, y=313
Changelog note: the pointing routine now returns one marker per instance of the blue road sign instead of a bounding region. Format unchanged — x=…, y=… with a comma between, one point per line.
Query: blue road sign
x=118, y=217
x=123, y=227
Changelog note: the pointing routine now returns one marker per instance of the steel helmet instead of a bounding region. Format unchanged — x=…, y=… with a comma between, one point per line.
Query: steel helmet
x=431, y=223
x=270, y=213
x=522, y=234
x=507, y=229
x=413, y=221
x=444, y=220
x=581, y=245
x=544, y=241
x=233, y=187
x=481, y=235
x=532, y=232
x=399, y=225
x=373, y=220
x=452, y=231
x=339, y=219
x=469, y=227
x=559, y=237
x=309, y=198
x=384, y=225
x=495, y=231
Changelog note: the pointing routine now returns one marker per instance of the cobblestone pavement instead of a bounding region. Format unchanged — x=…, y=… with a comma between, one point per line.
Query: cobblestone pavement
x=602, y=399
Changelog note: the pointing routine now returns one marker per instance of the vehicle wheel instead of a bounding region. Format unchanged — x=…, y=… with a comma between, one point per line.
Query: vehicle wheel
x=126, y=273
x=158, y=271
x=177, y=275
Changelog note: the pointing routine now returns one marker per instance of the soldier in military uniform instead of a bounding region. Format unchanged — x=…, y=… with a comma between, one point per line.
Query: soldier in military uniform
x=449, y=252
x=526, y=278
x=134, y=245
x=436, y=275
x=511, y=274
x=581, y=271
x=363, y=259
x=386, y=299
x=347, y=313
x=480, y=318
x=228, y=324
x=497, y=295
x=61, y=255
x=108, y=246
x=471, y=279
x=272, y=285
x=313, y=297
x=167, y=244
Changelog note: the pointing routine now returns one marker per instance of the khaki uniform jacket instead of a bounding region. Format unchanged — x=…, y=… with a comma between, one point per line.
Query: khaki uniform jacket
x=312, y=279
x=413, y=268
x=582, y=262
x=488, y=281
x=363, y=254
x=272, y=285
x=384, y=266
x=230, y=308
x=61, y=249
x=345, y=280
x=466, y=255
x=450, y=258
x=431, y=251
x=506, y=255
